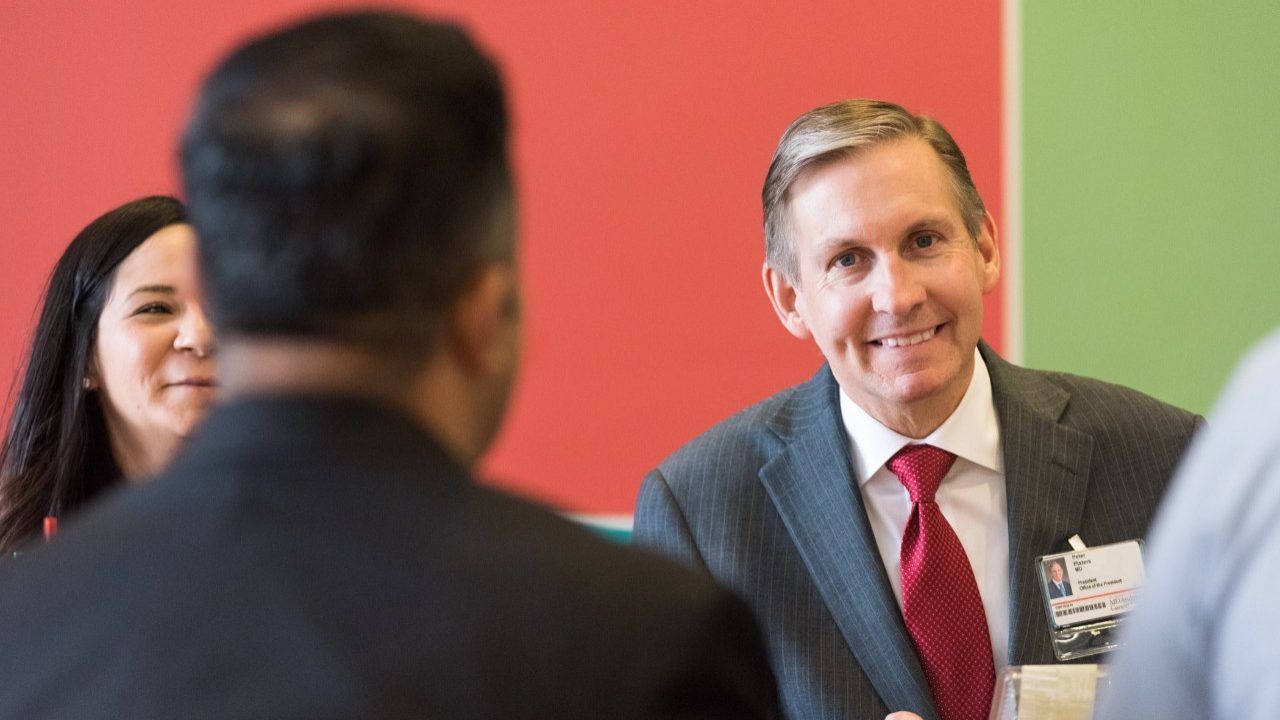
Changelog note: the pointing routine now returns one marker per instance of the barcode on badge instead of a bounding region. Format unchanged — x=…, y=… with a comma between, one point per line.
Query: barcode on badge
x=1078, y=609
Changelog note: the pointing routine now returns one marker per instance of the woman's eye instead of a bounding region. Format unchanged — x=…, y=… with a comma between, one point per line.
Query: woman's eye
x=153, y=309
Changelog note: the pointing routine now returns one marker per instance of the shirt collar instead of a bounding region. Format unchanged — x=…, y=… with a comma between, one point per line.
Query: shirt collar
x=971, y=432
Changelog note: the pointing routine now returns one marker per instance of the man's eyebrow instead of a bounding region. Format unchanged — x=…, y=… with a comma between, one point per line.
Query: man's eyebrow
x=940, y=221
x=165, y=289
x=835, y=242
x=930, y=221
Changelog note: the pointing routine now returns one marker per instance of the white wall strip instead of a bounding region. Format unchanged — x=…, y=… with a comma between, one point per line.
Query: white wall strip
x=1011, y=30
x=607, y=522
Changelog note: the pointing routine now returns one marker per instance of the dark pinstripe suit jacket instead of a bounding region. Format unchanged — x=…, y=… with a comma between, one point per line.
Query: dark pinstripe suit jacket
x=766, y=502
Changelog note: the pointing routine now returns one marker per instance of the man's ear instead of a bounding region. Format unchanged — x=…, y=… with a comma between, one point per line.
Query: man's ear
x=786, y=301
x=485, y=322
x=988, y=242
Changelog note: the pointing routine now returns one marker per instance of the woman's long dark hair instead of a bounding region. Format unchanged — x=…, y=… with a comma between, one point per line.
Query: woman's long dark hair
x=56, y=454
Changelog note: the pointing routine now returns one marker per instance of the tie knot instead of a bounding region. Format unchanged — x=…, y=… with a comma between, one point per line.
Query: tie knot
x=921, y=469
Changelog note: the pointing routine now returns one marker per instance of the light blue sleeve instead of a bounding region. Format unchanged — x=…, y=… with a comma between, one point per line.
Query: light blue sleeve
x=1201, y=643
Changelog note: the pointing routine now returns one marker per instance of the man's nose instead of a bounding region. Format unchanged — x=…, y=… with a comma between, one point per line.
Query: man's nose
x=195, y=333
x=896, y=288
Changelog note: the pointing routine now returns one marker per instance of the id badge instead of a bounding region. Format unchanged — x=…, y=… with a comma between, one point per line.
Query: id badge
x=1086, y=594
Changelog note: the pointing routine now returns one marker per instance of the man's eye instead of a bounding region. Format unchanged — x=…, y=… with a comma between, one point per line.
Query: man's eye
x=926, y=240
x=846, y=260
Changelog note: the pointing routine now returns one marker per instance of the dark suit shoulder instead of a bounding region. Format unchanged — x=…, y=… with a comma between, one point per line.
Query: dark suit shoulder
x=631, y=620
x=1107, y=410
x=1091, y=388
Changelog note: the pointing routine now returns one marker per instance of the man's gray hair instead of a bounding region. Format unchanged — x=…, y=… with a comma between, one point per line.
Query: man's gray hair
x=842, y=130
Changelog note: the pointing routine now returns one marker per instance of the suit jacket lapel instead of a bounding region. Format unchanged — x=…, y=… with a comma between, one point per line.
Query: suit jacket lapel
x=1046, y=478
x=811, y=483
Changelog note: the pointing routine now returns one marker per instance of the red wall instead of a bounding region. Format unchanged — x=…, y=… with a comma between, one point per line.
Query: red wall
x=643, y=131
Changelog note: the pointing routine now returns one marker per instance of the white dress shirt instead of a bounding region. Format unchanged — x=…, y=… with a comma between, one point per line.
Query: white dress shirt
x=971, y=496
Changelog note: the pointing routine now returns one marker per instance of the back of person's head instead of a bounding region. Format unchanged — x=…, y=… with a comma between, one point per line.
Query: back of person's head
x=56, y=453
x=347, y=177
x=841, y=130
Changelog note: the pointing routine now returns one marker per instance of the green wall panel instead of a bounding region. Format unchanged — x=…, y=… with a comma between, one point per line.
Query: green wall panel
x=1151, y=196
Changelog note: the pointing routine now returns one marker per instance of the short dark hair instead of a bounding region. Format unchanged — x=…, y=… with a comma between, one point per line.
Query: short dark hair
x=347, y=176
x=56, y=453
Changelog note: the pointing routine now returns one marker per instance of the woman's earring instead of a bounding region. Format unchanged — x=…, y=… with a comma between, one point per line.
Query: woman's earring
x=88, y=384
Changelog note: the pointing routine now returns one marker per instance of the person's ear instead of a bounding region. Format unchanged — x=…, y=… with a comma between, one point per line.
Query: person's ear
x=786, y=301
x=90, y=381
x=989, y=250
x=485, y=323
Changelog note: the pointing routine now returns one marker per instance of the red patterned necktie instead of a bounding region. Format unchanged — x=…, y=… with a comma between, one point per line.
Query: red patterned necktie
x=940, y=600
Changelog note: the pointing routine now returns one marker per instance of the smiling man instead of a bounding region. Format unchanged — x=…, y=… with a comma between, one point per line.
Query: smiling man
x=884, y=518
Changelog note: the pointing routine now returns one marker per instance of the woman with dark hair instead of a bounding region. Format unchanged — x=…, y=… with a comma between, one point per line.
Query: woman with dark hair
x=120, y=370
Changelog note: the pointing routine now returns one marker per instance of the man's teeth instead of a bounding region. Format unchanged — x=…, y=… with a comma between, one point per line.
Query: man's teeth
x=909, y=340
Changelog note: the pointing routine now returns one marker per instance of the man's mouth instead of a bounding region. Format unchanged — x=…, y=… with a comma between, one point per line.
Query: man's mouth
x=907, y=340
